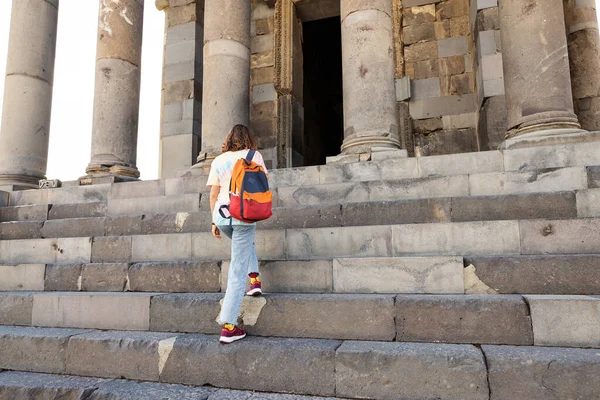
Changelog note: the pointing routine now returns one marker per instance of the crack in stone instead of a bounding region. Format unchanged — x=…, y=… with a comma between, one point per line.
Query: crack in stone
x=487, y=371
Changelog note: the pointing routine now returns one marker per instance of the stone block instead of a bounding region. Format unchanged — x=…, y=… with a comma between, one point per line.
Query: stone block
x=295, y=365
x=402, y=89
x=486, y=43
x=265, y=26
x=4, y=198
x=425, y=126
x=16, y=308
x=561, y=274
x=264, y=110
x=111, y=249
x=269, y=245
x=24, y=213
x=493, y=120
x=63, y=277
x=558, y=156
x=78, y=210
x=398, y=275
x=180, y=52
x=396, y=212
x=304, y=217
x=523, y=206
x=104, y=277
x=161, y=247
x=35, y=349
x=458, y=238
x=122, y=389
x=542, y=373
x=137, y=190
x=284, y=315
x=415, y=15
x=560, y=236
x=47, y=251
x=181, y=33
x=453, y=46
x=425, y=88
x=154, y=205
x=499, y=319
x=445, y=105
x=370, y=241
x=460, y=121
x=488, y=19
x=76, y=227
x=413, y=3
x=259, y=76
x=417, y=371
x=181, y=15
x=180, y=72
x=194, y=222
x=296, y=176
x=588, y=203
x=460, y=26
x=186, y=185
x=22, y=277
x=551, y=180
x=189, y=312
x=21, y=230
x=262, y=93
x=421, y=51
x=118, y=226
x=436, y=186
x=291, y=276
x=322, y=194
x=418, y=33
x=454, y=65
x=452, y=9
x=175, y=277
x=172, y=159
x=262, y=43
x=178, y=91
x=129, y=355
x=462, y=84
x=481, y=4
x=565, y=321
x=422, y=69
x=491, y=66
x=262, y=60
x=26, y=385
x=125, y=311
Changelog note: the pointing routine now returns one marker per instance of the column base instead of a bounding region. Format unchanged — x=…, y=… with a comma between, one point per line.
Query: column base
x=120, y=171
x=550, y=137
x=20, y=182
x=204, y=160
x=367, y=143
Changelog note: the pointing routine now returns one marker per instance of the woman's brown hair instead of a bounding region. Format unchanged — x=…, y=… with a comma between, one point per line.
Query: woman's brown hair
x=239, y=138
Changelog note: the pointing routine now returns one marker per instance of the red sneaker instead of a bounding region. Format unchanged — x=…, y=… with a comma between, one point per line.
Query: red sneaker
x=255, y=289
x=228, y=336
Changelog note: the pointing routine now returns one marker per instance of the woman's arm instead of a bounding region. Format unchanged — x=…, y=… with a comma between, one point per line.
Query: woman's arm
x=214, y=194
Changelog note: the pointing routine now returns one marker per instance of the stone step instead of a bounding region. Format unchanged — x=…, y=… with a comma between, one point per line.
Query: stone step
x=308, y=366
x=457, y=209
x=31, y=385
x=563, y=321
x=480, y=238
x=376, y=275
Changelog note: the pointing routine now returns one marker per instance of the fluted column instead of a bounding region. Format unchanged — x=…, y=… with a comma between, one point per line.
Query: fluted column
x=368, y=76
x=584, y=60
x=28, y=93
x=536, y=74
x=226, y=80
x=117, y=90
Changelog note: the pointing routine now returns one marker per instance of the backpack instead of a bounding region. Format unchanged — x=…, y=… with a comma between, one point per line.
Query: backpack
x=249, y=178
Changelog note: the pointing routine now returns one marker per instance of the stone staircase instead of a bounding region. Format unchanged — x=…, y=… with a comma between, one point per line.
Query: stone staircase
x=471, y=276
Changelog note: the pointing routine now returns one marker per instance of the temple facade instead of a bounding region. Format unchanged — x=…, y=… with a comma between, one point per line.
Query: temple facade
x=315, y=79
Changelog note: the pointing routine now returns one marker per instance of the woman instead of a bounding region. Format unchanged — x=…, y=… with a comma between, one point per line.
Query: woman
x=238, y=143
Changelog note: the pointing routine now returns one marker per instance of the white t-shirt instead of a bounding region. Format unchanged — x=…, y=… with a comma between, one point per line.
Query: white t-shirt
x=220, y=175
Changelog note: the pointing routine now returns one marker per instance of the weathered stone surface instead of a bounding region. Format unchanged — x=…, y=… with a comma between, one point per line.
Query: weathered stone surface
x=493, y=120
x=425, y=126
x=15, y=309
x=270, y=245
x=111, y=249
x=122, y=390
x=421, y=51
x=567, y=321
x=559, y=156
x=422, y=69
x=372, y=241
x=104, y=277
x=130, y=355
x=522, y=206
x=541, y=373
x=464, y=319
x=35, y=349
x=154, y=205
x=418, y=15
x=588, y=203
x=445, y=105
x=118, y=226
x=426, y=371
x=560, y=236
x=396, y=212
x=418, y=33
x=61, y=277
x=458, y=238
x=26, y=385
x=398, y=168
x=161, y=247
x=295, y=365
x=452, y=9
x=174, y=277
x=24, y=213
x=21, y=230
x=593, y=176
x=304, y=217
x=284, y=315
x=488, y=19
x=77, y=210
x=22, y=277
x=47, y=251
x=127, y=311
x=458, y=164
x=551, y=180
x=559, y=274
x=76, y=227
x=398, y=275
x=455, y=46
x=190, y=312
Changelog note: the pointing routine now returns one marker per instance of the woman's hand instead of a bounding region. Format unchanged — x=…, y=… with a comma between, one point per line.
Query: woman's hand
x=216, y=232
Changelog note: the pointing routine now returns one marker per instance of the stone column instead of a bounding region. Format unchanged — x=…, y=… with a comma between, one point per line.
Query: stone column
x=370, y=121
x=584, y=60
x=117, y=90
x=28, y=93
x=226, y=81
x=536, y=74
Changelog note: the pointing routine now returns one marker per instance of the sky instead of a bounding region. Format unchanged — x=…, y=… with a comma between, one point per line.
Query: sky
x=73, y=93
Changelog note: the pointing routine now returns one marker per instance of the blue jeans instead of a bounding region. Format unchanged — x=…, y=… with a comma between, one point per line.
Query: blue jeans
x=243, y=262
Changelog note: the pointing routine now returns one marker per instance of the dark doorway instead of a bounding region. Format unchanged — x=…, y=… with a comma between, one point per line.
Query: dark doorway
x=323, y=110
